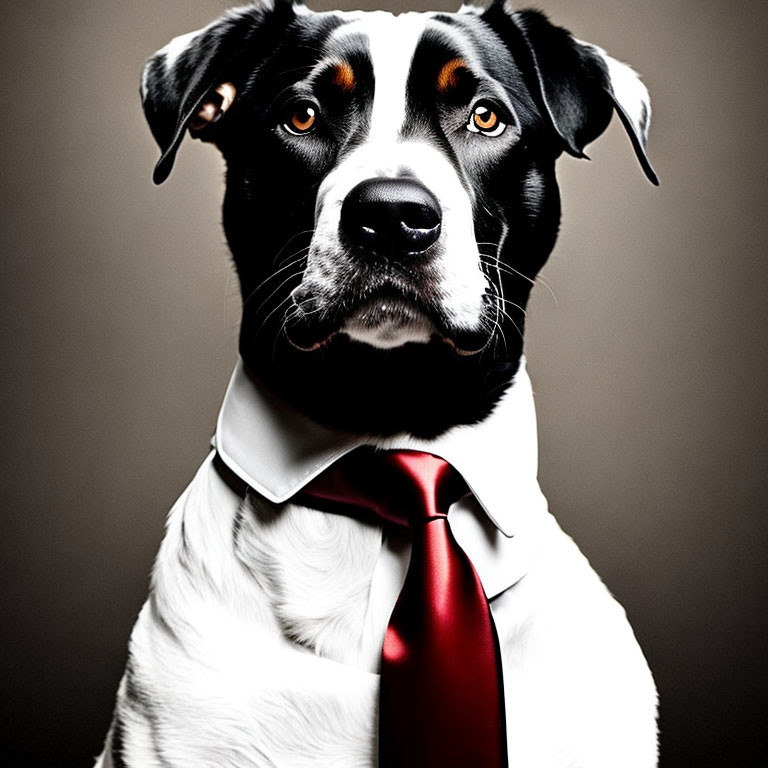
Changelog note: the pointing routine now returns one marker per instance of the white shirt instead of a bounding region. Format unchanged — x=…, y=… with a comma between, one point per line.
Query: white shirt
x=276, y=451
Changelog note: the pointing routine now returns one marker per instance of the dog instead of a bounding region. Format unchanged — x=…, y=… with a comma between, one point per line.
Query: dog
x=390, y=198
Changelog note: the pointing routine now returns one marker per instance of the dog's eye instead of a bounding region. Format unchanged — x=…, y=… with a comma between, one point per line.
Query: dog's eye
x=485, y=119
x=302, y=120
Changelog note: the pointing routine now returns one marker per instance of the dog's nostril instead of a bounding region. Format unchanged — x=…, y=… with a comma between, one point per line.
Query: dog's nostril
x=393, y=217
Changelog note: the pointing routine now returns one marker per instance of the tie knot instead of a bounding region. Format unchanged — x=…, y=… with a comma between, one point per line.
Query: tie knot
x=404, y=487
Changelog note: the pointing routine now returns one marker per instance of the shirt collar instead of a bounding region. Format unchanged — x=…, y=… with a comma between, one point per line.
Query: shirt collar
x=276, y=450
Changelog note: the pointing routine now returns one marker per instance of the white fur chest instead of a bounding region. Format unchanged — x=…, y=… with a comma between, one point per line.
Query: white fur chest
x=259, y=645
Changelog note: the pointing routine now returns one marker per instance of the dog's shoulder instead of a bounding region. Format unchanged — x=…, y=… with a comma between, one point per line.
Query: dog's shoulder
x=250, y=609
x=576, y=680
x=304, y=574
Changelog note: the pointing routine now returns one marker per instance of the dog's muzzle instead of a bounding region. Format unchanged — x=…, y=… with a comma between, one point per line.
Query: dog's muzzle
x=392, y=217
x=381, y=280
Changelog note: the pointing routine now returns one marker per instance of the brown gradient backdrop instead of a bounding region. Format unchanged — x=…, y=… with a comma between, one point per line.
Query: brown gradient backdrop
x=119, y=321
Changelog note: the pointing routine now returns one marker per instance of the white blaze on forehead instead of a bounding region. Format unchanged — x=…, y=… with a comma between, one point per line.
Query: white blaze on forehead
x=383, y=152
x=392, y=42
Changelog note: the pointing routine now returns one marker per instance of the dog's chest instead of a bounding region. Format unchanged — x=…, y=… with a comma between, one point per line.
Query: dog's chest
x=330, y=580
x=260, y=642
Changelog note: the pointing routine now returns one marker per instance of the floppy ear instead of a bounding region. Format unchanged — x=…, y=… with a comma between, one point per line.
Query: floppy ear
x=187, y=84
x=577, y=84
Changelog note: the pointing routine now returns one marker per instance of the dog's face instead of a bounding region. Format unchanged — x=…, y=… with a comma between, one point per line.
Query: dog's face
x=390, y=192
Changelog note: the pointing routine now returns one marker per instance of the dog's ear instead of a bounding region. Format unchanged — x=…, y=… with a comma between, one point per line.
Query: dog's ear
x=188, y=83
x=577, y=84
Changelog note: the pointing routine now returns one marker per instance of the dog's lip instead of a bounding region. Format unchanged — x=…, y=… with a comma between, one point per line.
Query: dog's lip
x=311, y=347
x=464, y=352
x=308, y=334
x=386, y=309
x=446, y=339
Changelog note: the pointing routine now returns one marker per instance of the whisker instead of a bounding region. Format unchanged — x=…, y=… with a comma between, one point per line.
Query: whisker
x=497, y=332
x=496, y=264
x=263, y=283
x=540, y=279
x=276, y=260
x=512, y=303
x=501, y=311
x=290, y=313
x=500, y=331
x=512, y=271
x=516, y=326
x=266, y=319
x=287, y=280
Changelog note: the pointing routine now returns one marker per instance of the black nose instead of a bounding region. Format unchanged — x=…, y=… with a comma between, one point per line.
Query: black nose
x=392, y=217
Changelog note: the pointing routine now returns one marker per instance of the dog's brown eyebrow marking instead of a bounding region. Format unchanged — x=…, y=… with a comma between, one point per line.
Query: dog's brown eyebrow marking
x=448, y=78
x=344, y=76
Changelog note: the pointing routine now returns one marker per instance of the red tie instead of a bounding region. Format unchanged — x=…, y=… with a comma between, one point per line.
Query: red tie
x=441, y=701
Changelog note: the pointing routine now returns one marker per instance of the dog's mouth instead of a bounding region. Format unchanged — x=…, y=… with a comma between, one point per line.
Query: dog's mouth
x=386, y=321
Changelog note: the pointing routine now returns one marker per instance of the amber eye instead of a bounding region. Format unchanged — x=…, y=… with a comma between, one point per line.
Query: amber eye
x=302, y=120
x=485, y=119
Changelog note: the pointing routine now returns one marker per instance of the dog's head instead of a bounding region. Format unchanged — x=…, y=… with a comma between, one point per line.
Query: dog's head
x=390, y=191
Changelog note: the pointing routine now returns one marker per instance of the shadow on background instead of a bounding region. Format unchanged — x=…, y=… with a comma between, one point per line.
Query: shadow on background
x=119, y=322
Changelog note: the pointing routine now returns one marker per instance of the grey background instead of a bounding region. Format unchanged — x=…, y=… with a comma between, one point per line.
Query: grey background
x=119, y=320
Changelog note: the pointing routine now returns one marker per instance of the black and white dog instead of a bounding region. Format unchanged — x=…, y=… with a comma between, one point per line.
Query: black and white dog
x=390, y=198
